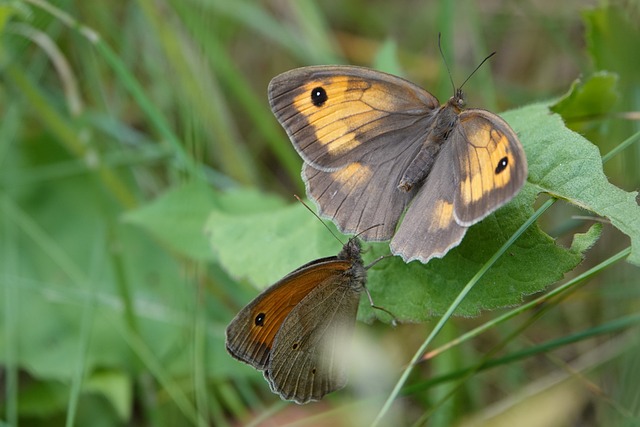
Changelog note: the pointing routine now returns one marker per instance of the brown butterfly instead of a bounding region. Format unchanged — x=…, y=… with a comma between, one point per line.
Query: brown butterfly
x=296, y=330
x=373, y=144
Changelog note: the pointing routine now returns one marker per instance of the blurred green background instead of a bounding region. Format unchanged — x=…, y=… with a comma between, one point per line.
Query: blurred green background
x=125, y=124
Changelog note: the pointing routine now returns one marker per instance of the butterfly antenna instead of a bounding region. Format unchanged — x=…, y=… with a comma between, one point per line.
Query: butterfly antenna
x=367, y=229
x=319, y=219
x=480, y=65
x=453, y=86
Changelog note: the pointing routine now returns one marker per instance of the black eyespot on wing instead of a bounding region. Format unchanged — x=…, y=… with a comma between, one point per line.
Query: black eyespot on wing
x=313, y=371
x=295, y=346
x=319, y=96
x=502, y=165
x=260, y=319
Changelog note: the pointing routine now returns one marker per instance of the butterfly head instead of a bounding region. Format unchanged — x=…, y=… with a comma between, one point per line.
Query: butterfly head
x=351, y=251
x=458, y=99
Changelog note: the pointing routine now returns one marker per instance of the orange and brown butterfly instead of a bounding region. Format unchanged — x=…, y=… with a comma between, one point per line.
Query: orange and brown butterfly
x=297, y=330
x=375, y=145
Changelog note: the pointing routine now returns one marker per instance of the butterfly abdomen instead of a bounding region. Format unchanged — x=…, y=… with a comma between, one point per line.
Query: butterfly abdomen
x=420, y=166
x=445, y=121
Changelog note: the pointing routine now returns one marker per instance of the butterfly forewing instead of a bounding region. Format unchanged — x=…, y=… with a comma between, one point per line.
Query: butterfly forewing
x=335, y=115
x=251, y=333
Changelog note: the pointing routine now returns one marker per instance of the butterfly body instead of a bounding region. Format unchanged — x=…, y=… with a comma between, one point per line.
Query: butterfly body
x=295, y=330
x=444, y=122
x=376, y=145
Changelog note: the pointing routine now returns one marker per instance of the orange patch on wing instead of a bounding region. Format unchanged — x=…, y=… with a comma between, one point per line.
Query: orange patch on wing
x=353, y=176
x=442, y=215
x=486, y=149
x=335, y=122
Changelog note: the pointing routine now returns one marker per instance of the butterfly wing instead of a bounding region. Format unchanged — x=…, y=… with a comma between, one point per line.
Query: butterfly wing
x=357, y=130
x=429, y=228
x=308, y=355
x=250, y=335
x=481, y=167
x=358, y=197
x=490, y=168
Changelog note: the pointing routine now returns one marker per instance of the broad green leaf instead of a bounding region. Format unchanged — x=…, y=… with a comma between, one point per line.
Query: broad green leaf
x=592, y=98
x=564, y=164
x=263, y=247
x=176, y=218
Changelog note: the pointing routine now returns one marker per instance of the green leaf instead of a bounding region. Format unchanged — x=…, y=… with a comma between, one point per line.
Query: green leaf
x=582, y=242
x=116, y=386
x=416, y=291
x=594, y=97
x=177, y=217
x=262, y=247
x=564, y=164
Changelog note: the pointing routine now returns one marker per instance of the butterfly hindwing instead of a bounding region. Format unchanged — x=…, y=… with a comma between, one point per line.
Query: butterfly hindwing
x=489, y=162
x=308, y=359
x=429, y=228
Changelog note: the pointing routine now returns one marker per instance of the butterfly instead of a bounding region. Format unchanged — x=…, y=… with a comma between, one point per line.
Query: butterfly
x=297, y=330
x=376, y=146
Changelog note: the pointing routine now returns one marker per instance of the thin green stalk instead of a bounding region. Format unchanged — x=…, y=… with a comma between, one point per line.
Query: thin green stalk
x=10, y=263
x=461, y=296
x=129, y=81
x=251, y=102
x=150, y=360
x=88, y=314
x=531, y=304
x=613, y=326
x=487, y=363
x=199, y=360
x=206, y=103
x=68, y=137
x=622, y=146
x=121, y=279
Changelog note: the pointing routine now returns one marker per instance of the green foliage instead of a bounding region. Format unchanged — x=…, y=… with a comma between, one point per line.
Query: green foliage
x=565, y=165
x=592, y=98
x=146, y=196
x=176, y=219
